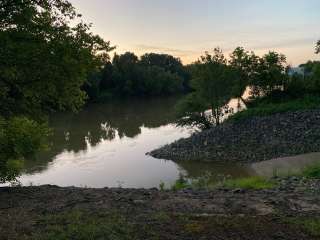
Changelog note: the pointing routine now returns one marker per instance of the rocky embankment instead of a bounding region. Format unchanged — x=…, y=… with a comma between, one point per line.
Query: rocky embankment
x=250, y=140
x=50, y=212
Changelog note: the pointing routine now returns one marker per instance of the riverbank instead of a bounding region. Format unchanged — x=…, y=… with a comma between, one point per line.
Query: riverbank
x=250, y=140
x=290, y=210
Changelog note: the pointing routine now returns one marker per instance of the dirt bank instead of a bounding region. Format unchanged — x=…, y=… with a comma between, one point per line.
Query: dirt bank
x=290, y=211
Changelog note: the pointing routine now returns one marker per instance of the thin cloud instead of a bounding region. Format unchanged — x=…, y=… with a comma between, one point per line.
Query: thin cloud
x=175, y=51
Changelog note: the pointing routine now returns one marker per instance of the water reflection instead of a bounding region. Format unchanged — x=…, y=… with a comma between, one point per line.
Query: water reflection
x=103, y=122
x=105, y=144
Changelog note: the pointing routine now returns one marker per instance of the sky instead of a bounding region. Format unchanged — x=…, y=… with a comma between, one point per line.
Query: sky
x=188, y=28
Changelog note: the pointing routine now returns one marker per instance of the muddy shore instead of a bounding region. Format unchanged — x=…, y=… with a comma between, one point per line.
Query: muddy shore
x=50, y=212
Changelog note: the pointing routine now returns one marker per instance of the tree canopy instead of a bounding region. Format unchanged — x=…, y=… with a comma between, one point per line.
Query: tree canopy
x=128, y=75
x=46, y=54
x=212, y=82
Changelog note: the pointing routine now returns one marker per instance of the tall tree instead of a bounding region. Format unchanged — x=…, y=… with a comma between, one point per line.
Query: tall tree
x=244, y=64
x=270, y=74
x=44, y=59
x=212, y=81
x=46, y=54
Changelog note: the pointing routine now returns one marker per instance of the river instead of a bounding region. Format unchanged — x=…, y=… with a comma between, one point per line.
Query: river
x=105, y=145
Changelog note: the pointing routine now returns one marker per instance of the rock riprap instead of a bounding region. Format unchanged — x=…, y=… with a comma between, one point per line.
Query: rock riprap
x=250, y=140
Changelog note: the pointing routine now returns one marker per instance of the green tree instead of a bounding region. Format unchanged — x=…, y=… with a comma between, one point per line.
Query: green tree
x=318, y=47
x=244, y=65
x=45, y=60
x=269, y=75
x=165, y=61
x=126, y=73
x=212, y=82
x=20, y=138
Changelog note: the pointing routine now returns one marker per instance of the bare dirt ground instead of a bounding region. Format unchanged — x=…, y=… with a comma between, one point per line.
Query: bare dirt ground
x=50, y=212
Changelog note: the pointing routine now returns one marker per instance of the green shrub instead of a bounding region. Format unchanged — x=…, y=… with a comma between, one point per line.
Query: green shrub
x=312, y=171
x=20, y=138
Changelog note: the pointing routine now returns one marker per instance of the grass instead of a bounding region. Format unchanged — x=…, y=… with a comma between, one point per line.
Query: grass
x=312, y=171
x=312, y=226
x=83, y=226
x=309, y=225
x=265, y=107
x=249, y=183
x=206, y=183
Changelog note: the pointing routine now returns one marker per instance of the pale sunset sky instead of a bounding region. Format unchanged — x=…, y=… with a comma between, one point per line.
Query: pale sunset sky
x=188, y=28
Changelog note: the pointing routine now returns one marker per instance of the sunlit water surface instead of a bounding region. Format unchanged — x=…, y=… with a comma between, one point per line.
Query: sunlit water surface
x=105, y=145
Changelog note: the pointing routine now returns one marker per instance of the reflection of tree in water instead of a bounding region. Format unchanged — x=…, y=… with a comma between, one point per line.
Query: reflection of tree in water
x=99, y=122
x=197, y=169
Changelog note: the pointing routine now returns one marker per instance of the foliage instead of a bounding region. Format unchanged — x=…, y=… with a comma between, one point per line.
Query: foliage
x=244, y=64
x=127, y=75
x=249, y=183
x=310, y=81
x=269, y=74
x=212, y=82
x=318, y=47
x=312, y=171
x=180, y=184
x=312, y=226
x=205, y=182
x=20, y=138
x=309, y=224
x=44, y=59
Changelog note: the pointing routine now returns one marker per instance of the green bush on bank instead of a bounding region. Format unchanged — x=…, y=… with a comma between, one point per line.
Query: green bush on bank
x=20, y=138
x=312, y=171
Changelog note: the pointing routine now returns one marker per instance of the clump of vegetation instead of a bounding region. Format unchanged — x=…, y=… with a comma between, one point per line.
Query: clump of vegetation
x=20, y=138
x=310, y=225
x=181, y=183
x=249, y=183
x=212, y=82
x=205, y=182
x=312, y=171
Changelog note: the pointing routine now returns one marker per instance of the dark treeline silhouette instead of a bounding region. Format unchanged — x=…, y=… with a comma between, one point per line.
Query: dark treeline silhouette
x=127, y=75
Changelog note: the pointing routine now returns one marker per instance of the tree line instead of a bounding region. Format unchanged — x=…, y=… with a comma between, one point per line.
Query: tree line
x=127, y=75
